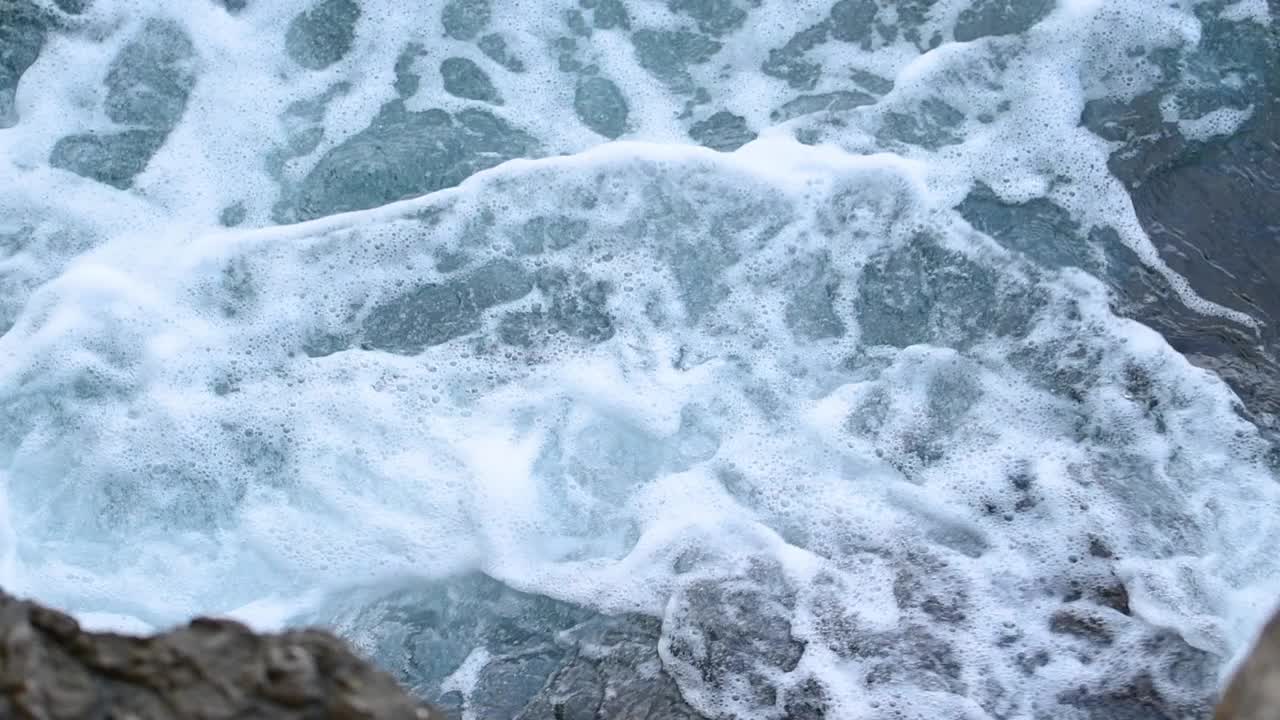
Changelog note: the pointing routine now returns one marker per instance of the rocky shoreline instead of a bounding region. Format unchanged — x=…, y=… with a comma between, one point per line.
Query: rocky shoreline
x=51, y=668
x=600, y=667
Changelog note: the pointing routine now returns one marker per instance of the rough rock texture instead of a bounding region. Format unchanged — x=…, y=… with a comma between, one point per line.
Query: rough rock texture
x=470, y=644
x=1212, y=210
x=1254, y=690
x=51, y=668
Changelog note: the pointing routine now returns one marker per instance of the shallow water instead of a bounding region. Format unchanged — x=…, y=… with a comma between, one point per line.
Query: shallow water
x=658, y=358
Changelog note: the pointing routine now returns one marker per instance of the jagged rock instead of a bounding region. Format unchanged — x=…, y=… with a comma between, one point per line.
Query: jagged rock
x=1254, y=690
x=472, y=644
x=51, y=668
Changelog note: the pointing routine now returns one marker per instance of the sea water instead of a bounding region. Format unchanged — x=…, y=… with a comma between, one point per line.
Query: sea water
x=466, y=326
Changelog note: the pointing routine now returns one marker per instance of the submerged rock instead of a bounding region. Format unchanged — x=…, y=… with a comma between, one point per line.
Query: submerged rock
x=148, y=85
x=51, y=668
x=402, y=154
x=323, y=35
x=526, y=656
x=463, y=78
x=22, y=35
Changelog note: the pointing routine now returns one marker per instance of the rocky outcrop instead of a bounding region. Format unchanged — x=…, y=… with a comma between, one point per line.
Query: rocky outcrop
x=1254, y=690
x=52, y=669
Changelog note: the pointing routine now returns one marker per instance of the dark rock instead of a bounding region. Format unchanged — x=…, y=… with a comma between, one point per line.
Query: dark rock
x=788, y=62
x=852, y=20
x=1038, y=228
x=23, y=29
x=464, y=19
x=577, y=23
x=600, y=106
x=924, y=293
x=232, y=215
x=51, y=668
x=723, y=131
x=463, y=78
x=825, y=102
x=722, y=631
x=321, y=36
x=494, y=47
x=667, y=54
x=543, y=659
x=148, y=85
x=75, y=7
x=1211, y=207
x=1215, y=220
x=150, y=80
x=1137, y=699
x=403, y=154
x=1081, y=624
x=931, y=124
x=1000, y=17
x=554, y=232
x=714, y=17
x=609, y=14
x=1253, y=692
x=811, y=311
x=436, y=313
x=407, y=79
x=111, y=158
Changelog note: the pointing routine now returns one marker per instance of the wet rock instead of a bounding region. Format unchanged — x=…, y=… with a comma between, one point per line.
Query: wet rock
x=403, y=154
x=600, y=106
x=1253, y=692
x=536, y=658
x=148, y=85
x=825, y=102
x=722, y=631
x=667, y=54
x=111, y=158
x=931, y=124
x=232, y=215
x=852, y=20
x=1210, y=206
x=789, y=63
x=554, y=232
x=407, y=78
x=23, y=30
x=439, y=312
x=323, y=35
x=1137, y=699
x=578, y=306
x=1214, y=222
x=494, y=47
x=923, y=293
x=608, y=14
x=811, y=311
x=75, y=7
x=714, y=17
x=463, y=78
x=464, y=19
x=1043, y=231
x=1000, y=17
x=150, y=80
x=1081, y=624
x=723, y=131
x=51, y=668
